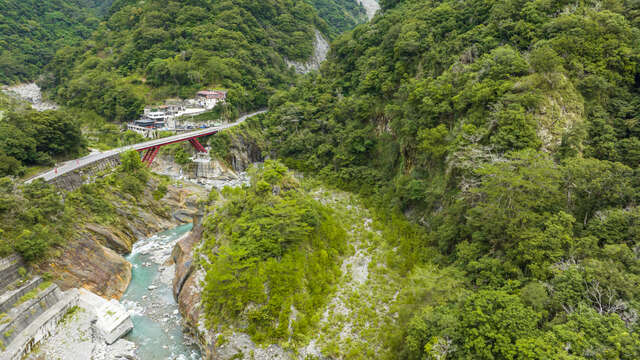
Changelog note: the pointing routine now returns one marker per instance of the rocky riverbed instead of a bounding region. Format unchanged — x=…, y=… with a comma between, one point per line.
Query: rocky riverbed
x=157, y=331
x=218, y=174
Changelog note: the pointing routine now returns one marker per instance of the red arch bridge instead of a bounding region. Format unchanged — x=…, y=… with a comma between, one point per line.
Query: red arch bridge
x=152, y=148
x=148, y=150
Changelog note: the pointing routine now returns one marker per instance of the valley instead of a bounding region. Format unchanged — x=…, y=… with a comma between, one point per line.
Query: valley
x=353, y=179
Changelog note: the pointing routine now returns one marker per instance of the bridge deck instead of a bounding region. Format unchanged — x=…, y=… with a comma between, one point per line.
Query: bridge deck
x=73, y=165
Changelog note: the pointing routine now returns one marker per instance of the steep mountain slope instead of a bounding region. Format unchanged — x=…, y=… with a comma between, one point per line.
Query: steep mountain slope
x=29, y=137
x=341, y=15
x=509, y=131
x=156, y=49
x=31, y=31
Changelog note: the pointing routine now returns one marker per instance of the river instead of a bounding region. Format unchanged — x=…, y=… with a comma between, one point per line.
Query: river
x=157, y=331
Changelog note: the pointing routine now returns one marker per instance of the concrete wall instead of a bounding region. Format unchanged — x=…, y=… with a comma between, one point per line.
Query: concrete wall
x=11, y=297
x=73, y=180
x=24, y=314
x=9, y=270
x=43, y=327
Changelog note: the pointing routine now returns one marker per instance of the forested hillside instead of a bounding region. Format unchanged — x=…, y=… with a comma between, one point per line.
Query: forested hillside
x=152, y=50
x=32, y=30
x=509, y=131
x=29, y=137
x=340, y=15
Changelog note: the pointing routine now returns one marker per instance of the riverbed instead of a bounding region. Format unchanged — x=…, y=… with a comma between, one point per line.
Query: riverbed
x=157, y=331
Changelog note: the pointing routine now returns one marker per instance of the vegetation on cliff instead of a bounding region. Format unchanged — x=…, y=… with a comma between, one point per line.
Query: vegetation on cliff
x=33, y=218
x=36, y=221
x=340, y=15
x=507, y=130
x=271, y=254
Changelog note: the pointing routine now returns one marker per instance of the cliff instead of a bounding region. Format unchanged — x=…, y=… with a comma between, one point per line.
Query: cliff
x=93, y=257
x=336, y=324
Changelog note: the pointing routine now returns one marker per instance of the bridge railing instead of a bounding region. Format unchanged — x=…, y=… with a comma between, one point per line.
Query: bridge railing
x=74, y=165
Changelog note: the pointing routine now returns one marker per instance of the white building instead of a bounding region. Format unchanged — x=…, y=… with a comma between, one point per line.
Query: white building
x=209, y=98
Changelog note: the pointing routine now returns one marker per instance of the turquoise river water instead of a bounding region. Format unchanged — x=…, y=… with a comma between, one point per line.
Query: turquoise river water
x=157, y=330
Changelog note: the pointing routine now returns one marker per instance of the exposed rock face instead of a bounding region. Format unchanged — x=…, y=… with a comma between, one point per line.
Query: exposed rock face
x=112, y=238
x=185, y=284
x=92, y=258
x=320, y=51
x=89, y=264
x=31, y=93
x=371, y=7
x=244, y=152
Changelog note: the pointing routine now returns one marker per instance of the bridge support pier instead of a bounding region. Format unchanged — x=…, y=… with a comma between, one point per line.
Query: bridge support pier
x=151, y=152
x=196, y=144
x=150, y=155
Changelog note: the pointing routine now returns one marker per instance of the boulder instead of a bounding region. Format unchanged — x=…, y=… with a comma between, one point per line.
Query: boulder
x=112, y=319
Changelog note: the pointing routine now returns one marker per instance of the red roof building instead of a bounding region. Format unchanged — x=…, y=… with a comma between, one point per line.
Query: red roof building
x=212, y=94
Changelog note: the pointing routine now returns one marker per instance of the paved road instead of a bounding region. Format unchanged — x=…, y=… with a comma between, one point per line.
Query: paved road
x=73, y=165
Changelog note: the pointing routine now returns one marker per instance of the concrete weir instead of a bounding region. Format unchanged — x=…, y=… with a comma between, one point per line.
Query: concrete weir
x=42, y=327
x=9, y=270
x=112, y=319
x=30, y=308
x=31, y=311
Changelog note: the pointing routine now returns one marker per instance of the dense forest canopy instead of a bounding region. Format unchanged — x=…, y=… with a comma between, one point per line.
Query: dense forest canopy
x=29, y=137
x=340, y=15
x=32, y=30
x=151, y=50
x=280, y=247
x=506, y=131
x=509, y=131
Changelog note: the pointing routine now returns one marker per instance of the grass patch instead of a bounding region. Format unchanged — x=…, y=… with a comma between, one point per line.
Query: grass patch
x=69, y=315
x=33, y=293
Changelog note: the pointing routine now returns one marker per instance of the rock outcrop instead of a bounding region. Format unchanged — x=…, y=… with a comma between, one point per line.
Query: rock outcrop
x=114, y=239
x=30, y=92
x=88, y=264
x=93, y=257
x=244, y=151
x=186, y=289
x=370, y=6
x=320, y=51
x=187, y=292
